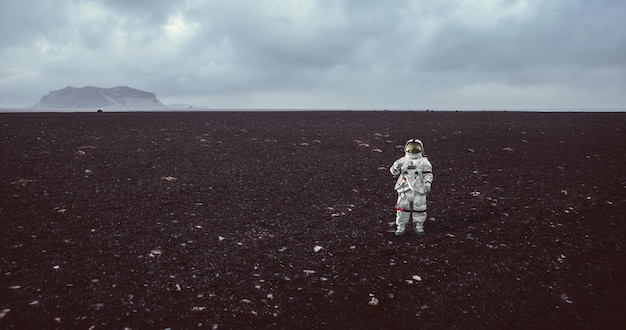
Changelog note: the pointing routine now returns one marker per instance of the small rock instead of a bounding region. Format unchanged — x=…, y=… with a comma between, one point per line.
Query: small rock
x=4, y=312
x=566, y=298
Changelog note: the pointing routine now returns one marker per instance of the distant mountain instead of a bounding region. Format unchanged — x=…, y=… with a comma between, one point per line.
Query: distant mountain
x=94, y=97
x=180, y=106
x=184, y=106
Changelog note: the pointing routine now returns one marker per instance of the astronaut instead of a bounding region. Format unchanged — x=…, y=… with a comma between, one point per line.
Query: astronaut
x=415, y=177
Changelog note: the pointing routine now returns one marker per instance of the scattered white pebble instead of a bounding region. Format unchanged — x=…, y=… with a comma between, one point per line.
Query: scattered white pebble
x=417, y=278
x=566, y=298
x=475, y=193
x=4, y=312
x=373, y=301
x=198, y=309
x=221, y=238
x=155, y=253
x=308, y=271
x=317, y=248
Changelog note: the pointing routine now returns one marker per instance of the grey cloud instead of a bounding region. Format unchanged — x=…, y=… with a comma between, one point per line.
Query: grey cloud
x=265, y=53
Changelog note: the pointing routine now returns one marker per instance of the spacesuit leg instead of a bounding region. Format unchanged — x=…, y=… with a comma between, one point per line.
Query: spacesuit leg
x=403, y=207
x=419, y=213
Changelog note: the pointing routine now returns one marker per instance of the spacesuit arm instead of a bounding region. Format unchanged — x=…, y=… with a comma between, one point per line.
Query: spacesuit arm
x=396, y=167
x=427, y=172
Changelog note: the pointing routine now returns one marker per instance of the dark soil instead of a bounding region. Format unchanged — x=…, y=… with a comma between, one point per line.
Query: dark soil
x=235, y=220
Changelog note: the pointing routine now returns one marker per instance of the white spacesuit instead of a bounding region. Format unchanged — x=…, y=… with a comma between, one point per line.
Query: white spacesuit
x=414, y=181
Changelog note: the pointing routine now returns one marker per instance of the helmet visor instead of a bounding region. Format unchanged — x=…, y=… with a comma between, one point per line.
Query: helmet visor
x=413, y=148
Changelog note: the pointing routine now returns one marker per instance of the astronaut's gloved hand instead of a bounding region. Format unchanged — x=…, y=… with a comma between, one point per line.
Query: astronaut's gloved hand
x=427, y=188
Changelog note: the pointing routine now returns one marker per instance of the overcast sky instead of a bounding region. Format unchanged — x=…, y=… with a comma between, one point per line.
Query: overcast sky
x=322, y=54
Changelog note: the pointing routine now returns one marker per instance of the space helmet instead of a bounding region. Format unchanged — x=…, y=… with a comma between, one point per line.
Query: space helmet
x=413, y=146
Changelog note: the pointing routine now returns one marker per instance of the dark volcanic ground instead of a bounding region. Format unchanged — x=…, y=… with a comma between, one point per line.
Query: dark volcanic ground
x=281, y=220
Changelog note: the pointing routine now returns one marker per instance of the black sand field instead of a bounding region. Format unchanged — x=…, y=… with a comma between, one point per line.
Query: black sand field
x=234, y=220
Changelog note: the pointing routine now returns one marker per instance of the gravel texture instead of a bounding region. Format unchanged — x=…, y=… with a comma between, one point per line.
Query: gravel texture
x=233, y=220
